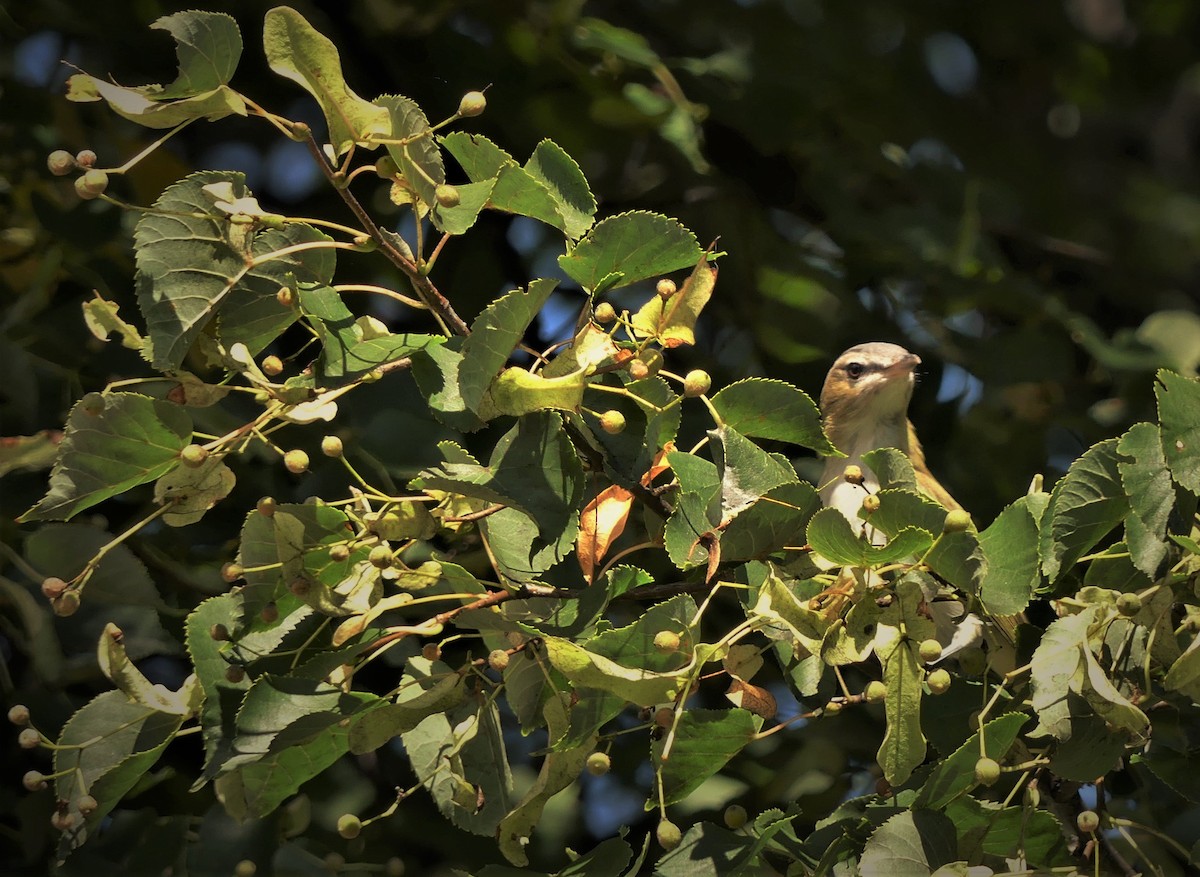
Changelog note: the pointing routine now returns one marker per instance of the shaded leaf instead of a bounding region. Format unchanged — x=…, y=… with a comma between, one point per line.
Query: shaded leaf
x=1147, y=483
x=113, y=441
x=559, y=769
x=955, y=775
x=705, y=741
x=192, y=491
x=913, y=843
x=419, y=160
x=1179, y=416
x=103, y=750
x=1010, y=546
x=1085, y=505
x=193, y=262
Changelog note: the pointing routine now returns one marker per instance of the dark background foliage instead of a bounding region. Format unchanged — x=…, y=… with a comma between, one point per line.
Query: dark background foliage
x=1010, y=191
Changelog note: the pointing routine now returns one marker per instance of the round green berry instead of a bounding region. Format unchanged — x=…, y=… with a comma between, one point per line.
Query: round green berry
x=668, y=835
x=598, y=764
x=987, y=771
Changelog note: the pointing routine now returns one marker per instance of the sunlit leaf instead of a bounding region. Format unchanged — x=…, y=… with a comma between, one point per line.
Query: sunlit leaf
x=296, y=51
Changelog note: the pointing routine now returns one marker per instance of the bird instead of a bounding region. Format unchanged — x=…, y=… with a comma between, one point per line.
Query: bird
x=864, y=406
x=864, y=403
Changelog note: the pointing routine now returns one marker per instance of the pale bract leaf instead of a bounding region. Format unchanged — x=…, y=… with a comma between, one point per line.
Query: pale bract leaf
x=296, y=51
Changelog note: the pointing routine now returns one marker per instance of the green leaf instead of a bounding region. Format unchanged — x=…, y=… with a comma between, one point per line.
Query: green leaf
x=459, y=757
x=113, y=441
x=630, y=247
x=630, y=453
x=761, y=408
x=292, y=546
x=987, y=827
x=535, y=462
x=257, y=789
x=1066, y=676
x=436, y=371
x=832, y=537
x=193, y=262
x=777, y=519
x=281, y=712
x=747, y=471
x=628, y=45
x=1147, y=483
x=955, y=775
x=778, y=604
x=494, y=335
x=553, y=168
x=903, y=746
x=692, y=519
x=419, y=160
x=222, y=698
x=1085, y=505
x=120, y=578
x=344, y=353
x=520, y=190
x=955, y=557
x=516, y=391
x=893, y=469
x=913, y=843
x=586, y=669
x=633, y=645
x=208, y=46
x=421, y=694
x=672, y=321
x=705, y=741
x=1184, y=675
x=1010, y=547
x=104, y=749
x=298, y=52
x=1179, y=416
x=534, y=471
x=559, y=769
x=472, y=198
x=192, y=492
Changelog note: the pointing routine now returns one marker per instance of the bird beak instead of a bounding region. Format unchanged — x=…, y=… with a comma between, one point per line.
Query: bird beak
x=906, y=363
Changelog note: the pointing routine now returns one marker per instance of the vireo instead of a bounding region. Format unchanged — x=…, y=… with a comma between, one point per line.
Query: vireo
x=865, y=406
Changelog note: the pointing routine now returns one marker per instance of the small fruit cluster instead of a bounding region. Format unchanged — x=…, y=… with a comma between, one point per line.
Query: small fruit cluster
x=88, y=185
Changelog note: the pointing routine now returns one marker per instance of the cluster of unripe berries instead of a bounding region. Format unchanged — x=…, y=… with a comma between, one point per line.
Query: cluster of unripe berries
x=63, y=818
x=91, y=183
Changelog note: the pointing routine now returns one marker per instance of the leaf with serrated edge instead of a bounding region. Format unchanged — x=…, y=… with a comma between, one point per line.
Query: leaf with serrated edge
x=419, y=160
x=762, y=408
x=296, y=51
x=705, y=741
x=1179, y=415
x=1085, y=505
x=103, y=750
x=134, y=439
x=1010, y=546
x=495, y=334
x=636, y=245
x=559, y=769
x=1147, y=482
x=831, y=536
x=551, y=166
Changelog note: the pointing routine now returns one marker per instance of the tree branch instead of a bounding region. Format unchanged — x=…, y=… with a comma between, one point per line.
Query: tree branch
x=423, y=286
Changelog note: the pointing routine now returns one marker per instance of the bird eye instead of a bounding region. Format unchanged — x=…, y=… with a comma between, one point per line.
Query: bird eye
x=855, y=370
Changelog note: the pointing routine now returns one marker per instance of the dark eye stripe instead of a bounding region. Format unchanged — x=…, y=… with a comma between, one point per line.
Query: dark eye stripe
x=855, y=369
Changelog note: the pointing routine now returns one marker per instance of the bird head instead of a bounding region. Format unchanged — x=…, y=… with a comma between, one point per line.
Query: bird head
x=867, y=388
